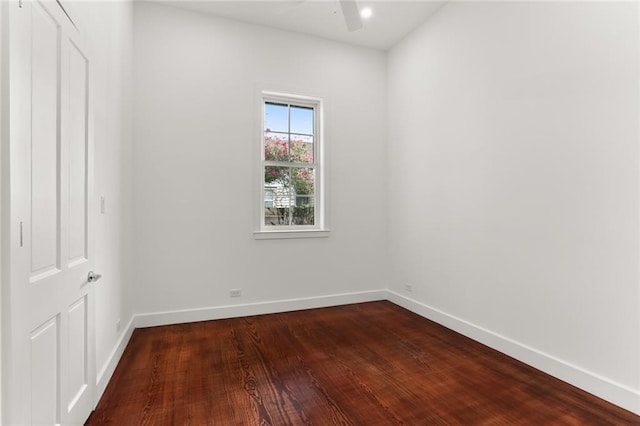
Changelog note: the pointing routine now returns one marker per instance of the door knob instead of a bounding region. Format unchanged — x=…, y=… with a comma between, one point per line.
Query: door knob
x=93, y=276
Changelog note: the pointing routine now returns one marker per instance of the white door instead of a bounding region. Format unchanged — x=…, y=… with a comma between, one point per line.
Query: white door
x=51, y=365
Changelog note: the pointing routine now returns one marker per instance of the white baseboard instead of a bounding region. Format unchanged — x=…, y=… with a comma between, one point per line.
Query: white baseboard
x=105, y=373
x=233, y=311
x=595, y=384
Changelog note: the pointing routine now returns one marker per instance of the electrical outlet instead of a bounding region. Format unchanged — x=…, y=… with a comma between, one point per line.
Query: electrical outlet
x=408, y=287
x=235, y=292
x=118, y=325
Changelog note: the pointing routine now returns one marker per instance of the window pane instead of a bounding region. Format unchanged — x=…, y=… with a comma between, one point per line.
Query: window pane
x=278, y=216
x=303, y=214
x=276, y=117
x=276, y=177
x=276, y=147
x=303, y=179
x=279, y=196
x=302, y=120
x=301, y=149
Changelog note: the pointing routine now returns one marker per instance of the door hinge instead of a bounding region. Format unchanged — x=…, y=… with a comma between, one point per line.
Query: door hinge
x=21, y=241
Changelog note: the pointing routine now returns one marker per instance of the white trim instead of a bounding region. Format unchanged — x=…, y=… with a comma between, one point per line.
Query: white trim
x=593, y=383
x=112, y=361
x=291, y=234
x=260, y=308
x=4, y=205
x=637, y=405
x=276, y=96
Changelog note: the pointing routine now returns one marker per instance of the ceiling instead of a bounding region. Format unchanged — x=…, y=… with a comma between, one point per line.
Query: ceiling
x=390, y=22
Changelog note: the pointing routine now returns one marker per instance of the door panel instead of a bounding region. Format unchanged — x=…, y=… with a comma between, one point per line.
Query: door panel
x=45, y=83
x=44, y=373
x=77, y=155
x=77, y=372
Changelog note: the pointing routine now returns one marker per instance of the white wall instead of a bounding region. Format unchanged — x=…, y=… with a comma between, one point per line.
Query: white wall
x=196, y=167
x=514, y=181
x=109, y=26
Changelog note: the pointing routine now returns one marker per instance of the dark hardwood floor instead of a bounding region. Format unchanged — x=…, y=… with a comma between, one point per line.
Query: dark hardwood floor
x=365, y=364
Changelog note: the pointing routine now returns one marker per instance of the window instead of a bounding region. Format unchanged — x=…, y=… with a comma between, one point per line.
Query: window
x=291, y=168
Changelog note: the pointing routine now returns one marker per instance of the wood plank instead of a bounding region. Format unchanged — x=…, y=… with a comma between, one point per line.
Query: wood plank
x=364, y=364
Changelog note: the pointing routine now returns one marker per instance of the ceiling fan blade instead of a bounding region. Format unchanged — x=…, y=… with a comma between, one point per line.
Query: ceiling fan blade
x=351, y=14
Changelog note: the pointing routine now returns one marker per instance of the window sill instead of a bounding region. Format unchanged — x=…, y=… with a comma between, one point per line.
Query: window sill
x=291, y=234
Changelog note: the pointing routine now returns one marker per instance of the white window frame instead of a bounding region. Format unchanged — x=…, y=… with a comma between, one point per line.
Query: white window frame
x=318, y=229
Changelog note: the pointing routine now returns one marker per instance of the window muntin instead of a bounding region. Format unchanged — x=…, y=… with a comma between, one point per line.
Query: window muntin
x=290, y=166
